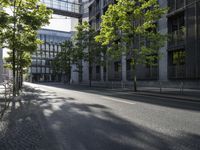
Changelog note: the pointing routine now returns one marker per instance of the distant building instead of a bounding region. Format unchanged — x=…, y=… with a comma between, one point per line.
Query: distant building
x=41, y=68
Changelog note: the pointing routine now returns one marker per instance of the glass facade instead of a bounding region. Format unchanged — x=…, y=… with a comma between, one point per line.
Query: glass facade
x=41, y=67
x=183, y=28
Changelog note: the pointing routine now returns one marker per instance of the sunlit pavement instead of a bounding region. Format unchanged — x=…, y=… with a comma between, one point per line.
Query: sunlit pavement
x=92, y=119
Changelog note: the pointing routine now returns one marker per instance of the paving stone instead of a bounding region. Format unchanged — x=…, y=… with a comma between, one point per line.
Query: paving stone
x=20, y=130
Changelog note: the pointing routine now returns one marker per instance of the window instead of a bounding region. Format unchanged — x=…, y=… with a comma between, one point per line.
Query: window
x=176, y=22
x=47, y=47
x=177, y=29
x=117, y=66
x=178, y=57
x=97, y=69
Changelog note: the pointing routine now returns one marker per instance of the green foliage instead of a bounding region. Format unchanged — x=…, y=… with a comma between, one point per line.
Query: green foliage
x=19, y=30
x=63, y=60
x=130, y=27
x=179, y=57
x=86, y=48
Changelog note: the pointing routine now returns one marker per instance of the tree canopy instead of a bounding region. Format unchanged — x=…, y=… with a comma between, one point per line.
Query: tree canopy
x=21, y=20
x=86, y=48
x=130, y=27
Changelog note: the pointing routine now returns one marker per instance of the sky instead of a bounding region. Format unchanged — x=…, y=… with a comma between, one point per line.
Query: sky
x=60, y=23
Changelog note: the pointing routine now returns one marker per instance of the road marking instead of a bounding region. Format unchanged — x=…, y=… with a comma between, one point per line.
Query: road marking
x=117, y=100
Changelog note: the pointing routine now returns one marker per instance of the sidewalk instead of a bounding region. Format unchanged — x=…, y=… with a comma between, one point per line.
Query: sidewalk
x=180, y=94
x=20, y=127
x=173, y=93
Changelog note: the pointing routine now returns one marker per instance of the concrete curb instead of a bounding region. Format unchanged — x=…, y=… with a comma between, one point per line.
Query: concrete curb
x=181, y=98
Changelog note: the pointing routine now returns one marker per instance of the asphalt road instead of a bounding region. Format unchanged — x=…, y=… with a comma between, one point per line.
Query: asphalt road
x=97, y=119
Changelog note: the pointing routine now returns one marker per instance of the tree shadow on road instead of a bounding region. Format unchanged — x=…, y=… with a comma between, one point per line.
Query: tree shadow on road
x=166, y=102
x=61, y=123
x=58, y=123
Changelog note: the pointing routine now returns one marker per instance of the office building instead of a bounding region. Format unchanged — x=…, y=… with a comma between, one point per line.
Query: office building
x=182, y=23
x=41, y=69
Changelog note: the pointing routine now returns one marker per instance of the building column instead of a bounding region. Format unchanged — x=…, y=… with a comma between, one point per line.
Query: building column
x=1, y=65
x=107, y=65
x=85, y=72
x=163, y=62
x=102, y=74
x=123, y=63
x=74, y=75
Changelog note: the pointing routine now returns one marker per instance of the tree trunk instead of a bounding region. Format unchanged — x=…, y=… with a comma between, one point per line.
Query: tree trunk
x=90, y=75
x=17, y=75
x=21, y=79
x=134, y=79
x=135, y=83
x=69, y=77
x=14, y=51
x=14, y=78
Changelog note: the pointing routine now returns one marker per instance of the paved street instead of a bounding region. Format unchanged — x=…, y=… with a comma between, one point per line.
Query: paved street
x=97, y=119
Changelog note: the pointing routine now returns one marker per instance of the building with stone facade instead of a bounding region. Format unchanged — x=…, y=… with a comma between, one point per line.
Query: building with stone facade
x=182, y=23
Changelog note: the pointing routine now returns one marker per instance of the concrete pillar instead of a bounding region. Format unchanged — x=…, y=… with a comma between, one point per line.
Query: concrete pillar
x=107, y=69
x=102, y=74
x=1, y=65
x=74, y=75
x=31, y=78
x=123, y=63
x=163, y=62
x=85, y=72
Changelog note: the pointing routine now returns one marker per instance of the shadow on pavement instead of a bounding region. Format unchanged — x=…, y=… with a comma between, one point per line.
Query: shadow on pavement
x=166, y=102
x=58, y=123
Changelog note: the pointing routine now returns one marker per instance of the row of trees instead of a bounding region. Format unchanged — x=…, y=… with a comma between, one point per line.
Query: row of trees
x=82, y=47
x=19, y=22
x=127, y=28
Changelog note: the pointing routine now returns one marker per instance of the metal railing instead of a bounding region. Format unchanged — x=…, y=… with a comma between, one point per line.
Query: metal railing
x=63, y=5
x=144, y=74
x=177, y=71
x=115, y=76
x=177, y=38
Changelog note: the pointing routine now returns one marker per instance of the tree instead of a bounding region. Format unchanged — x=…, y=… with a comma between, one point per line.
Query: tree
x=86, y=48
x=63, y=60
x=129, y=27
x=22, y=63
x=19, y=34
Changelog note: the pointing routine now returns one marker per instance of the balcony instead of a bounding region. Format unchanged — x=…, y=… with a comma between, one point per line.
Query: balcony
x=177, y=72
x=177, y=39
x=115, y=76
x=96, y=77
x=144, y=74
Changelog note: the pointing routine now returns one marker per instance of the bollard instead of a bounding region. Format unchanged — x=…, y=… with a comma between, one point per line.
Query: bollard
x=160, y=84
x=181, y=87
